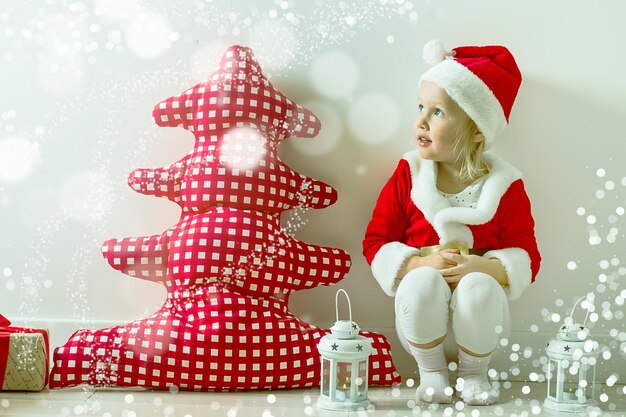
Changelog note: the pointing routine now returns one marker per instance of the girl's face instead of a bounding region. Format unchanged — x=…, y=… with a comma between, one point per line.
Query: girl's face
x=439, y=122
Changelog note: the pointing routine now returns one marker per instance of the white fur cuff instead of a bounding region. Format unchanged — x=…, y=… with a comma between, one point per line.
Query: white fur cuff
x=387, y=263
x=516, y=262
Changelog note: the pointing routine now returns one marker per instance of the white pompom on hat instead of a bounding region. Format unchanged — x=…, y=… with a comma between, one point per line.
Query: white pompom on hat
x=434, y=52
x=482, y=80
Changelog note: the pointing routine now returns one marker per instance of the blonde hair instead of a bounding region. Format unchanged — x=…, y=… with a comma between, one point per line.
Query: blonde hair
x=470, y=153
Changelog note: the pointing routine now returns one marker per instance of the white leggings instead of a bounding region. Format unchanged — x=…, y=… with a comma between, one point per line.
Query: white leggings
x=474, y=316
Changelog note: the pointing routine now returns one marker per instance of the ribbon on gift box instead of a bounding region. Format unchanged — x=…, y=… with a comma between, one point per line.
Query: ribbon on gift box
x=5, y=337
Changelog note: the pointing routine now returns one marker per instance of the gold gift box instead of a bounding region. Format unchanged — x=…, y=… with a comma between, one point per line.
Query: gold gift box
x=462, y=247
x=27, y=359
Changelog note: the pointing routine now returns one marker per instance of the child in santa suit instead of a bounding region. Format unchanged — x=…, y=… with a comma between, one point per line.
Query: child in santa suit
x=452, y=234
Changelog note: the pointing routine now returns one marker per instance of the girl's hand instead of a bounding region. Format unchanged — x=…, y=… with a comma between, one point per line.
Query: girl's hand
x=472, y=263
x=438, y=261
x=434, y=260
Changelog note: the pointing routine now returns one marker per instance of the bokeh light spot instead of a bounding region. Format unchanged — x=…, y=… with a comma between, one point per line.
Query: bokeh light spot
x=334, y=74
x=374, y=118
x=17, y=159
x=148, y=35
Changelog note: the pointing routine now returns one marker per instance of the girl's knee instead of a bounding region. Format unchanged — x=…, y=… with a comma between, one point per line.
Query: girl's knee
x=422, y=306
x=478, y=281
x=421, y=280
x=479, y=288
x=422, y=286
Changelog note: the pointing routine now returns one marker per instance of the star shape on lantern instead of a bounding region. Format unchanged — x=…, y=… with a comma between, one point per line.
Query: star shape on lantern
x=582, y=327
x=548, y=344
x=564, y=327
x=354, y=326
x=334, y=346
x=359, y=348
x=567, y=348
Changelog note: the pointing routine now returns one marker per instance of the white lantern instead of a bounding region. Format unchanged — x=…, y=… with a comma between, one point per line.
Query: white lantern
x=571, y=369
x=344, y=357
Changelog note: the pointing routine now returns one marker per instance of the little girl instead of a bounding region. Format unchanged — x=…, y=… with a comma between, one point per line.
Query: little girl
x=452, y=234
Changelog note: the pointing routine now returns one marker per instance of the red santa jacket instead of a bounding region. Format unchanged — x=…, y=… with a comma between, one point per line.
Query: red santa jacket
x=410, y=213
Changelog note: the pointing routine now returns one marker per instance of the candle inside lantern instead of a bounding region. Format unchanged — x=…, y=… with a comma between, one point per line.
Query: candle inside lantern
x=570, y=396
x=340, y=394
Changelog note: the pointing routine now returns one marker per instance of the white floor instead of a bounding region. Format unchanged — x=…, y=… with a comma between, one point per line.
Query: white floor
x=388, y=402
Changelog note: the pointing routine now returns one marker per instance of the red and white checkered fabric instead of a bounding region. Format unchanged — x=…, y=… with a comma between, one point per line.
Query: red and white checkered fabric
x=238, y=119
x=228, y=265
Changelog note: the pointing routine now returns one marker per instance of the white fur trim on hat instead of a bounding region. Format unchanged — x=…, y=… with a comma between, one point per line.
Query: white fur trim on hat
x=387, y=263
x=471, y=94
x=516, y=262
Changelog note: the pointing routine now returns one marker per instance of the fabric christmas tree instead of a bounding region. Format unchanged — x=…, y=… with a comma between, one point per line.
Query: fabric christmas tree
x=228, y=265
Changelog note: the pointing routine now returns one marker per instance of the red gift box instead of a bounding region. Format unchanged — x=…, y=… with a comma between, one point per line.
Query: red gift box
x=24, y=363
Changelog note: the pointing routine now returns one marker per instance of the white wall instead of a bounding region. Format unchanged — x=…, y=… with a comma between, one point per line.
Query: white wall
x=84, y=117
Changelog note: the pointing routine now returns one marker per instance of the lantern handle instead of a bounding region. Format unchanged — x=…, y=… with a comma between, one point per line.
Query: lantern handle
x=574, y=308
x=337, y=306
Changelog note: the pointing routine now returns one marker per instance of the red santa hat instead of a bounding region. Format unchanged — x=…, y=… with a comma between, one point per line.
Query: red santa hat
x=483, y=80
